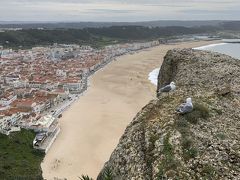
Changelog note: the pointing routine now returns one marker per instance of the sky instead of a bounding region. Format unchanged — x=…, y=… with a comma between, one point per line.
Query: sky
x=118, y=10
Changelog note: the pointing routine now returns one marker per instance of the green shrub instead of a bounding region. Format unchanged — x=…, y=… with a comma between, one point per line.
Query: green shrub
x=182, y=126
x=167, y=147
x=85, y=177
x=107, y=174
x=186, y=143
x=208, y=172
x=153, y=138
x=218, y=111
x=18, y=159
x=168, y=161
x=181, y=123
x=200, y=111
x=190, y=153
x=221, y=136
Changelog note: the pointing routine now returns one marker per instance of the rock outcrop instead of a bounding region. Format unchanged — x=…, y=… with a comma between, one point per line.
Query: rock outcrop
x=204, y=144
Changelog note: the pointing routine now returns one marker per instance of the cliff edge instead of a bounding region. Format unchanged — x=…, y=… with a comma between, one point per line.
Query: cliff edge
x=204, y=144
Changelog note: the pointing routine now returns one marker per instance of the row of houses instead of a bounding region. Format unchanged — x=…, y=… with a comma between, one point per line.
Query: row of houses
x=8, y=122
x=67, y=83
x=20, y=110
x=30, y=88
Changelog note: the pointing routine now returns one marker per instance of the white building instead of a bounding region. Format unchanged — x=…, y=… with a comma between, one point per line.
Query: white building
x=61, y=73
x=36, y=84
x=19, y=84
x=56, y=54
x=9, y=79
x=61, y=93
x=38, y=108
x=8, y=121
x=6, y=53
x=28, y=56
x=44, y=124
x=8, y=100
x=3, y=108
x=72, y=85
x=5, y=125
x=51, y=86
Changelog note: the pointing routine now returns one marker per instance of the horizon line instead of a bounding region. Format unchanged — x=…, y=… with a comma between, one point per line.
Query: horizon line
x=39, y=21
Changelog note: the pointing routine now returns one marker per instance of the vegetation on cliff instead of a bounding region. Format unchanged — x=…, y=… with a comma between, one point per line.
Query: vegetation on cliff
x=204, y=144
x=18, y=159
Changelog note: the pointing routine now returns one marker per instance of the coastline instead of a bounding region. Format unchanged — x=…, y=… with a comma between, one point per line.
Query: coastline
x=117, y=92
x=209, y=46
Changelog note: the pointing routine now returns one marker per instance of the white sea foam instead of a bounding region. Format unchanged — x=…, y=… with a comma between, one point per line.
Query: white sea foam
x=209, y=46
x=153, y=76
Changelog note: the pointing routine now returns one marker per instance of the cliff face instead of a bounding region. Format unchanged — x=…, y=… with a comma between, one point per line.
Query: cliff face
x=203, y=144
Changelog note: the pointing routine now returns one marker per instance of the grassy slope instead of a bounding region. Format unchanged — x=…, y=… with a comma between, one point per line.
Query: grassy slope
x=18, y=159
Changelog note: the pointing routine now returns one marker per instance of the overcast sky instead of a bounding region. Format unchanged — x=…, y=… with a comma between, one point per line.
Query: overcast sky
x=118, y=10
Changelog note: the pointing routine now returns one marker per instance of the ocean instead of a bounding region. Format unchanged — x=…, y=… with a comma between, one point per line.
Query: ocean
x=231, y=49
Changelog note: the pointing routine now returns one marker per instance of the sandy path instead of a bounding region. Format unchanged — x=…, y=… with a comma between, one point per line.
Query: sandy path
x=91, y=128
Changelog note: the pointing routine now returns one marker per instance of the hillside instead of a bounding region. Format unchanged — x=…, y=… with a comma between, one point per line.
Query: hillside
x=105, y=34
x=81, y=25
x=96, y=37
x=204, y=144
x=18, y=159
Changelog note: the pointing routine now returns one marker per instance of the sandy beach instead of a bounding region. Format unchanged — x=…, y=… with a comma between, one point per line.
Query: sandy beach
x=91, y=128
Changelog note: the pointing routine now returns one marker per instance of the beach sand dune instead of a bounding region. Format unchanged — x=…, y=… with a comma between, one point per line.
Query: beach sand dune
x=91, y=128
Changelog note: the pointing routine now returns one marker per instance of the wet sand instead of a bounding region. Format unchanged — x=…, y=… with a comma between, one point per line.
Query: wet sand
x=91, y=128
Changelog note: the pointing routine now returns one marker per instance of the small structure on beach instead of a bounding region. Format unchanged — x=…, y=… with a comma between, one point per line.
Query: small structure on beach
x=47, y=129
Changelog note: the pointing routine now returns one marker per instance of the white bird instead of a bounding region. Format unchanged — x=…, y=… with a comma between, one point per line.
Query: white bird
x=168, y=88
x=185, y=107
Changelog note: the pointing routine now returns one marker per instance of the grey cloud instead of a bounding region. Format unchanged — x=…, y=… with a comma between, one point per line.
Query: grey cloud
x=207, y=11
x=118, y=10
x=114, y=11
x=128, y=1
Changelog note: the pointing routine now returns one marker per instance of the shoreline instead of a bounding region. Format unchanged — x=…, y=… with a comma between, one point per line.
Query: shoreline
x=209, y=46
x=86, y=142
x=152, y=76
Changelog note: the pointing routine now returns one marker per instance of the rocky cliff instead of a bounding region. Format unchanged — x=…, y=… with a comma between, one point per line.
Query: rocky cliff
x=204, y=144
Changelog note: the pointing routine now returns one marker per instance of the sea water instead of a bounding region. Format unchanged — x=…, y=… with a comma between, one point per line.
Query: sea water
x=231, y=49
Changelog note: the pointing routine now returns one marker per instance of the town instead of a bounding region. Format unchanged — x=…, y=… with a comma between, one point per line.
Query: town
x=37, y=85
